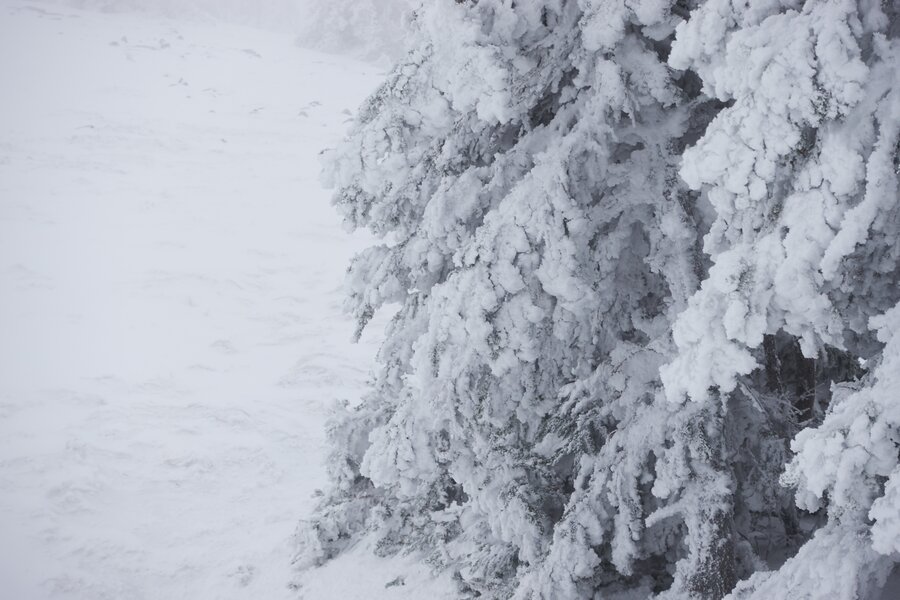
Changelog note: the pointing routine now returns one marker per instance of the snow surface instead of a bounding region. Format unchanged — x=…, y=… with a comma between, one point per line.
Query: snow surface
x=365, y=29
x=171, y=333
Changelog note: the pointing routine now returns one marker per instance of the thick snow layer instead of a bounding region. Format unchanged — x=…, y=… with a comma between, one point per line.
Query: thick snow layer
x=170, y=325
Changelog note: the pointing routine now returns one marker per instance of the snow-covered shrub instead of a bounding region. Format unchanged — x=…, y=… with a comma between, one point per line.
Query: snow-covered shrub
x=638, y=247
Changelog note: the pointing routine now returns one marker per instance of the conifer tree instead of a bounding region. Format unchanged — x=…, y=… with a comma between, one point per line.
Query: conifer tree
x=635, y=245
x=802, y=171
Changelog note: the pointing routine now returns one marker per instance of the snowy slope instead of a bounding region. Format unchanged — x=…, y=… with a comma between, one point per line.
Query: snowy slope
x=170, y=326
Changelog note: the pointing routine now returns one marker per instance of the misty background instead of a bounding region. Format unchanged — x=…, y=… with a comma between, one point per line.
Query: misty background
x=366, y=29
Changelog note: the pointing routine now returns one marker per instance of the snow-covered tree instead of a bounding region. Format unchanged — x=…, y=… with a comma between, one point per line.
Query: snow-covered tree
x=368, y=29
x=802, y=172
x=635, y=246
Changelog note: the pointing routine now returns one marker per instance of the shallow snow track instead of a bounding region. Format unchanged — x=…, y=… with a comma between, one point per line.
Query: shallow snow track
x=170, y=325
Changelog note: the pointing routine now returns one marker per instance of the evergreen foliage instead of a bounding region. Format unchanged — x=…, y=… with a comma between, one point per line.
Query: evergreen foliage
x=647, y=266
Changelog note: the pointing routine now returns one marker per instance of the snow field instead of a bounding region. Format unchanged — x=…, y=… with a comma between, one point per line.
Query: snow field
x=171, y=332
